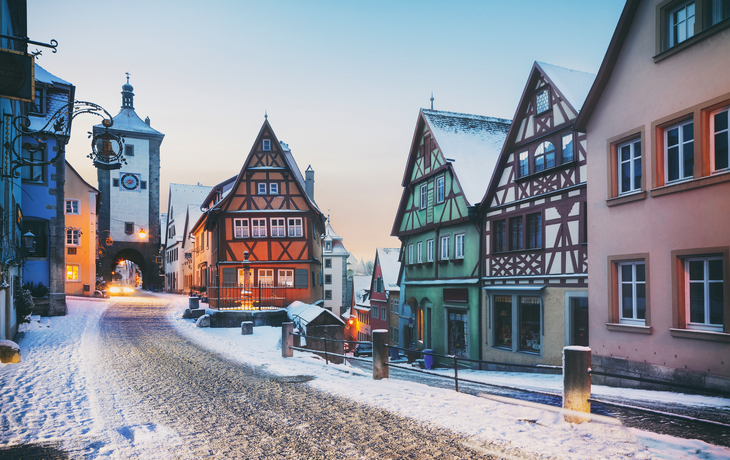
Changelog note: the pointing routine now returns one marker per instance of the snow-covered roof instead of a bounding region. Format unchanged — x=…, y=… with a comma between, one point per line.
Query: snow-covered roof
x=128, y=120
x=330, y=233
x=360, y=288
x=389, y=267
x=338, y=248
x=44, y=76
x=298, y=174
x=182, y=195
x=472, y=144
x=302, y=314
x=572, y=83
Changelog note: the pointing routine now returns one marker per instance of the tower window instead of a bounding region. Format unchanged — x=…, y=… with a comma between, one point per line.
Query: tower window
x=129, y=150
x=143, y=185
x=129, y=228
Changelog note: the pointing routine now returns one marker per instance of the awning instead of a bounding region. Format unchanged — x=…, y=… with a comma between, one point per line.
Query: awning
x=515, y=287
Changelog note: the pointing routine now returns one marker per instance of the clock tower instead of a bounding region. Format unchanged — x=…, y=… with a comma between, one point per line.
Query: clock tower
x=130, y=196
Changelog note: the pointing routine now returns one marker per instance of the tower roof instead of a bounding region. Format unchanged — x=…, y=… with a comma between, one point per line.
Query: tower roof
x=127, y=119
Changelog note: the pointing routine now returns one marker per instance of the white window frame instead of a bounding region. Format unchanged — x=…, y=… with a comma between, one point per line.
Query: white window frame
x=278, y=227
x=681, y=146
x=73, y=235
x=567, y=139
x=286, y=278
x=440, y=189
x=634, y=283
x=410, y=254
x=523, y=159
x=274, y=188
x=424, y=196
x=258, y=228
x=444, y=246
x=419, y=252
x=295, y=227
x=76, y=272
x=266, y=277
x=633, y=186
x=241, y=273
x=459, y=241
x=262, y=188
x=74, y=207
x=545, y=90
x=266, y=145
x=689, y=31
x=241, y=229
x=706, y=282
x=429, y=250
x=714, y=134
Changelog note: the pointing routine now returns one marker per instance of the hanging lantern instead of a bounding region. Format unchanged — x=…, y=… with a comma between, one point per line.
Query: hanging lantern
x=108, y=158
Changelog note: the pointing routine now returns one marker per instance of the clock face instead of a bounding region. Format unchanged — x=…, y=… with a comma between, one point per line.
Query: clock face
x=129, y=181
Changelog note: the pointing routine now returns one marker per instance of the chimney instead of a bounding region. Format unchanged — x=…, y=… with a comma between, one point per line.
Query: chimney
x=309, y=182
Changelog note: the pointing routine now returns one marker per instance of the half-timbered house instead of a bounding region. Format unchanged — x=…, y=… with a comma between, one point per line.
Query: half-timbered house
x=452, y=155
x=383, y=284
x=535, y=253
x=259, y=240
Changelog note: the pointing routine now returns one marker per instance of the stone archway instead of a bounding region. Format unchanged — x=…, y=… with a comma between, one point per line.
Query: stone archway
x=133, y=256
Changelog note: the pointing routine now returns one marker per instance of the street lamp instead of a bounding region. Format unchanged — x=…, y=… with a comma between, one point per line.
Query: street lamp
x=29, y=240
x=142, y=234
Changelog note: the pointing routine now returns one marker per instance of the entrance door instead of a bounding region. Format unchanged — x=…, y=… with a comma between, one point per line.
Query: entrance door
x=457, y=328
x=579, y=311
x=428, y=328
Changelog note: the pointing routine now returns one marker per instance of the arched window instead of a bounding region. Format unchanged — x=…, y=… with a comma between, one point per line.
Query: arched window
x=544, y=156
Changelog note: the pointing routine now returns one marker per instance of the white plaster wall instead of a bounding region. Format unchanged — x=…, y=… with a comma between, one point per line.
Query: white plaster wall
x=336, y=287
x=131, y=206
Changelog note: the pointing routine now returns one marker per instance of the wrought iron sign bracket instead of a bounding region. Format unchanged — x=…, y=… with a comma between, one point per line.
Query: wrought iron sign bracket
x=26, y=40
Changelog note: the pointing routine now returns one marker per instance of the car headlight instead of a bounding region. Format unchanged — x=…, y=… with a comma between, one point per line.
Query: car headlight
x=114, y=290
x=127, y=290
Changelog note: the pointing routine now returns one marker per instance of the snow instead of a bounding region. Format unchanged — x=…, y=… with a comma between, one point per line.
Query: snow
x=389, y=267
x=574, y=84
x=52, y=396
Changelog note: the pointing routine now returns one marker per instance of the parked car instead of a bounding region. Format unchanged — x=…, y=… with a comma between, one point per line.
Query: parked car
x=117, y=290
x=363, y=349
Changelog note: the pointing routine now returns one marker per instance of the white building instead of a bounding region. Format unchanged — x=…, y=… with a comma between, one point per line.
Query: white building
x=334, y=255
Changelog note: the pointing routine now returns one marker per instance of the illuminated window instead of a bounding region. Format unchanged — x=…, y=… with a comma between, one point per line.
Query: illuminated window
x=72, y=272
x=286, y=278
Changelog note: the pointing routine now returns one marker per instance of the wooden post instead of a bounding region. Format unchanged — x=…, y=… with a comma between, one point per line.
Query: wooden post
x=456, y=374
x=380, y=354
x=287, y=340
x=576, y=382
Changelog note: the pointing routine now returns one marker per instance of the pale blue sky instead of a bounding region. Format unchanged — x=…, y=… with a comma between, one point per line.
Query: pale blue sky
x=342, y=81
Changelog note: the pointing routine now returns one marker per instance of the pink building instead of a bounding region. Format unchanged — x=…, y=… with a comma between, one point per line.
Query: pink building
x=656, y=120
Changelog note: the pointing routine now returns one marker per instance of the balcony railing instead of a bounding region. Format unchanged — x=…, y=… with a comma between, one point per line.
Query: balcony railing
x=236, y=297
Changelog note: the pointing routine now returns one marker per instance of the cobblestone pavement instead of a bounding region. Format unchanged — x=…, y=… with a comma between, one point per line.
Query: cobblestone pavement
x=214, y=408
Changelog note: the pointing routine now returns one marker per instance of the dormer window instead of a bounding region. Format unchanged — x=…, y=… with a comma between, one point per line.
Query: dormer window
x=327, y=245
x=38, y=106
x=542, y=100
x=266, y=147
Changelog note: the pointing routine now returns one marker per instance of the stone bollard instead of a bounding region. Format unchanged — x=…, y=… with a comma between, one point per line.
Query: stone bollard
x=576, y=383
x=246, y=327
x=380, y=354
x=287, y=340
x=203, y=321
x=9, y=352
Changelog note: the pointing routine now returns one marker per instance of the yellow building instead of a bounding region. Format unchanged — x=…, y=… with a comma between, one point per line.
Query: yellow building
x=81, y=205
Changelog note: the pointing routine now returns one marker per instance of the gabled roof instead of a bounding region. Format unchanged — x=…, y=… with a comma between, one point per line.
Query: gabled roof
x=389, y=266
x=573, y=84
x=609, y=61
x=180, y=196
x=44, y=76
x=93, y=189
x=471, y=143
x=191, y=217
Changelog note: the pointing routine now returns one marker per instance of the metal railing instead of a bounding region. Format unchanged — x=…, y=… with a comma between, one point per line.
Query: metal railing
x=324, y=352
x=260, y=297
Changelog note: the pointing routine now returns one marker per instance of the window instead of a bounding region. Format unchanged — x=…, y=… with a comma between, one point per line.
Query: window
x=459, y=246
x=542, y=100
x=567, y=148
x=440, y=189
x=72, y=236
x=534, y=231
x=375, y=311
x=429, y=250
x=719, y=139
x=502, y=321
x=410, y=254
x=445, y=243
x=240, y=228
x=274, y=188
x=679, y=151
x=259, y=228
x=681, y=23
x=515, y=233
x=39, y=228
x=115, y=182
x=632, y=293
x=277, y=227
x=129, y=228
x=424, y=196
x=72, y=272
x=328, y=245
x=529, y=324
x=295, y=226
x=499, y=236
x=71, y=251
x=384, y=313
x=517, y=323
x=35, y=173
x=629, y=167
x=419, y=252
x=524, y=163
x=704, y=293
x=327, y=263
x=327, y=279
x=143, y=184
x=544, y=156
x=286, y=278
x=266, y=147
x=128, y=150
x=327, y=294
x=262, y=188
x=38, y=105
x=266, y=277
x=72, y=206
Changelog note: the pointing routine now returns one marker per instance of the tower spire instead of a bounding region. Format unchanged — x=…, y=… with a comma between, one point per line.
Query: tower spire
x=431, y=100
x=127, y=94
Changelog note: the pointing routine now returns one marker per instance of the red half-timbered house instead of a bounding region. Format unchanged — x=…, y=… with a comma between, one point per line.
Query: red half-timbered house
x=266, y=222
x=534, y=276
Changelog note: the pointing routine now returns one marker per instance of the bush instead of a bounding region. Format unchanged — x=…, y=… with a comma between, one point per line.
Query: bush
x=24, y=304
x=36, y=290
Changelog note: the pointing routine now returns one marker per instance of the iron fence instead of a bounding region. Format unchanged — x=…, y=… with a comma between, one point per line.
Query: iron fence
x=260, y=297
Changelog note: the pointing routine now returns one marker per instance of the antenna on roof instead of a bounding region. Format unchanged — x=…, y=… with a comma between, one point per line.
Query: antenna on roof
x=431, y=100
x=266, y=115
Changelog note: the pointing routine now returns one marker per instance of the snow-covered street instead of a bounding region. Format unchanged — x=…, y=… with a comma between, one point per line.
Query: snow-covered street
x=75, y=391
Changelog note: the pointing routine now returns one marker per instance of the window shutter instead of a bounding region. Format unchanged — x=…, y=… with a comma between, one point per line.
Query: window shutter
x=300, y=279
x=228, y=277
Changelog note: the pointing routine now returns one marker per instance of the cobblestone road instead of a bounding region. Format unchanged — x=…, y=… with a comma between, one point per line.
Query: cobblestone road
x=220, y=409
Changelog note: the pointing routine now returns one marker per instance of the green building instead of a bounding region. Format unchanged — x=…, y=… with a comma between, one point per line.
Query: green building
x=449, y=166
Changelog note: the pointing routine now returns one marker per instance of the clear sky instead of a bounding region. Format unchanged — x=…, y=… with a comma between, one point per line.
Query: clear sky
x=342, y=81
